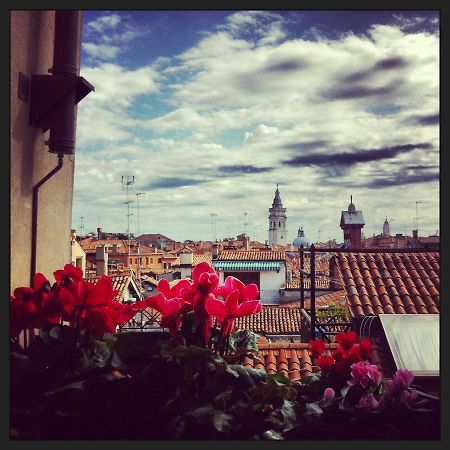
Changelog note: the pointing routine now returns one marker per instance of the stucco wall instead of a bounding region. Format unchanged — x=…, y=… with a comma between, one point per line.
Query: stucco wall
x=32, y=35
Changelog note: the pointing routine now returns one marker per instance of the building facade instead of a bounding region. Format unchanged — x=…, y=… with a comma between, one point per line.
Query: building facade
x=41, y=178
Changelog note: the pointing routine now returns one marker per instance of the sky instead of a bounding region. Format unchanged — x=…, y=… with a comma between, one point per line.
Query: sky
x=210, y=110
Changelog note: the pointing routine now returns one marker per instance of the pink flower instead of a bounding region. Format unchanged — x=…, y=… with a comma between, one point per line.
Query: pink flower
x=169, y=309
x=328, y=394
x=368, y=402
x=407, y=397
x=365, y=374
x=246, y=292
x=230, y=309
x=401, y=381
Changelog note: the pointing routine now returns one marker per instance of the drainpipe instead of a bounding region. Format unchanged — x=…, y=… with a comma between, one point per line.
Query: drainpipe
x=35, y=215
x=53, y=102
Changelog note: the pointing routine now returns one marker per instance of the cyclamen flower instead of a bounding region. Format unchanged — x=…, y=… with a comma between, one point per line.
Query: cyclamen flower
x=401, y=381
x=169, y=309
x=368, y=402
x=346, y=340
x=364, y=348
x=328, y=394
x=317, y=348
x=325, y=363
x=246, y=292
x=31, y=307
x=366, y=375
x=230, y=309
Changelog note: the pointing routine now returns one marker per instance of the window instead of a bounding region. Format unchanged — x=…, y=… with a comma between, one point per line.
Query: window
x=146, y=260
x=279, y=224
x=159, y=260
x=151, y=260
x=414, y=341
x=79, y=262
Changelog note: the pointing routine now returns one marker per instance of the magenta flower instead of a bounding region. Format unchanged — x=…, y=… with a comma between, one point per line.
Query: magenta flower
x=246, y=292
x=328, y=394
x=407, y=398
x=366, y=375
x=401, y=381
x=368, y=402
x=230, y=309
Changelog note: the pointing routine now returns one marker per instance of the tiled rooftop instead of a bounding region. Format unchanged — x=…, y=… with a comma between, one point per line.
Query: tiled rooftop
x=321, y=283
x=272, y=320
x=252, y=255
x=322, y=301
x=204, y=257
x=390, y=283
x=294, y=360
x=119, y=283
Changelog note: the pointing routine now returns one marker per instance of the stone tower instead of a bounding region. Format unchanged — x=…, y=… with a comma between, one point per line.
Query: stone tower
x=352, y=222
x=277, y=222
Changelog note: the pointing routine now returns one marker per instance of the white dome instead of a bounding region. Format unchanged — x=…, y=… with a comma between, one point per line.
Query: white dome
x=301, y=239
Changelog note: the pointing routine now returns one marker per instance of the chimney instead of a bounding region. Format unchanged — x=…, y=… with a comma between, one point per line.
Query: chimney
x=215, y=251
x=247, y=243
x=415, y=234
x=99, y=233
x=73, y=235
x=101, y=260
x=289, y=276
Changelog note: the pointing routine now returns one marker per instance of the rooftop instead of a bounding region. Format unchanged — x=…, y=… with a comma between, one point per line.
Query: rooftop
x=390, y=283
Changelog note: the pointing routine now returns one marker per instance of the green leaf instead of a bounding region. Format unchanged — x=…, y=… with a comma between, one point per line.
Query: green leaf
x=223, y=422
x=191, y=355
x=243, y=339
x=313, y=409
x=75, y=385
x=272, y=435
x=98, y=354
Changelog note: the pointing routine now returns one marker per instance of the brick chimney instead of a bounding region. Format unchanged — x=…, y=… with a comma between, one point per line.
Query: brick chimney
x=99, y=233
x=101, y=260
x=215, y=251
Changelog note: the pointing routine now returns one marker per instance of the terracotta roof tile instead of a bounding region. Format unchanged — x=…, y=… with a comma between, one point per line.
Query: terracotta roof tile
x=272, y=320
x=322, y=301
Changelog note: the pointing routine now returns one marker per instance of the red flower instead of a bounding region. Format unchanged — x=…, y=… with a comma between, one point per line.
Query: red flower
x=31, y=307
x=228, y=310
x=346, y=340
x=246, y=292
x=339, y=354
x=325, y=363
x=169, y=310
x=364, y=349
x=317, y=348
x=69, y=273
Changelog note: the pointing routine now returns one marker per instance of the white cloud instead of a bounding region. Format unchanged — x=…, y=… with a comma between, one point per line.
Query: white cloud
x=245, y=100
x=101, y=51
x=103, y=23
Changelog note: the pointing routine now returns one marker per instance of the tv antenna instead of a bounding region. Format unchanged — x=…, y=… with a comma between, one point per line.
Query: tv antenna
x=213, y=226
x=81, y=222
x=127, y=181
x=416, y=219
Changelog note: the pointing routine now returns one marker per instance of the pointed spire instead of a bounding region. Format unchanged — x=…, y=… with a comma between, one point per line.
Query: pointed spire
x=277, y=199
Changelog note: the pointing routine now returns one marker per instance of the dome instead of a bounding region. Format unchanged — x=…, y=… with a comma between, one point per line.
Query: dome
x=301, y=239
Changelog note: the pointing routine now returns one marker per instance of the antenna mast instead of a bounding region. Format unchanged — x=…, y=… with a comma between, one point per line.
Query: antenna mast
x=416, y=219
x=127, y=181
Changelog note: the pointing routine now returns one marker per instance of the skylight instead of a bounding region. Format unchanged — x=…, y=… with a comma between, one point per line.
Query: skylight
x=414, y=341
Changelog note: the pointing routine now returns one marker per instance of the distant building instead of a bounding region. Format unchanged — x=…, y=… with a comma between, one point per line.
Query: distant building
x=265, y=268
x=301, y=239
x=277, y=222
x=352, y=222
x=386, y=228
x=155, y=240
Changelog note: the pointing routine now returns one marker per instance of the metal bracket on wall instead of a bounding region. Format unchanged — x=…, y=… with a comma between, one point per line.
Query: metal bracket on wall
x=23, y=90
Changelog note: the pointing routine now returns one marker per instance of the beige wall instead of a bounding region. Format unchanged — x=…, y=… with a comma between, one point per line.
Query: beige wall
x=32, y=35
x=78, y=252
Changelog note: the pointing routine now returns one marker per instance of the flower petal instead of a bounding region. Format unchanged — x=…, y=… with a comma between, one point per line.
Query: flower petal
x=164, y=287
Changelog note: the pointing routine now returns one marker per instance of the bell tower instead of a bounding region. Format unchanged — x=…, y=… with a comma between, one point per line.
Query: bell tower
x=277, y=221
